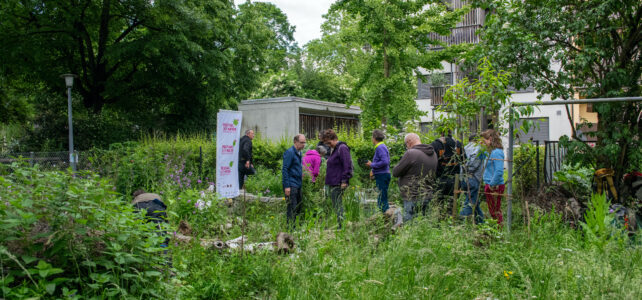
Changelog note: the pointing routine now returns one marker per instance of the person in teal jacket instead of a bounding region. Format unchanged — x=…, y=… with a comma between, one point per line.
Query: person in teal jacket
x=494, y=174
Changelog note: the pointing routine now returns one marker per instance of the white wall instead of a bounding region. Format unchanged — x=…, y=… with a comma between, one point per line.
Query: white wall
x=272, y=121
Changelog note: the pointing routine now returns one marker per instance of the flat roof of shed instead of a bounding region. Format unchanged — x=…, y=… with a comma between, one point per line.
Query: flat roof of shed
x=306, y=104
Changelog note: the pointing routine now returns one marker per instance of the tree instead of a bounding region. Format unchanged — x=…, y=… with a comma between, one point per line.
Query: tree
x=487, y=92
x=164, y=64
x=302, y=79
x=382, y=44
x=563, y=47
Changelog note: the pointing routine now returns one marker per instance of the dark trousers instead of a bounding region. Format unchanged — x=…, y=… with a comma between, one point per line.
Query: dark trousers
x=336, y=194
x=295, y=205
x=383, y=181
x=243, y=171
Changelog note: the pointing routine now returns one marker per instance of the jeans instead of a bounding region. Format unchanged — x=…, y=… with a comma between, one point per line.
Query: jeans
x=383, y=181
x=410, y=208
x=336, y=194
x=472, y=186
x=295, y=205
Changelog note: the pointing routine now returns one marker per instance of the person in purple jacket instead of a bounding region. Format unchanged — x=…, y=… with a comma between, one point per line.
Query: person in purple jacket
x=338, y=170
x=380, y=166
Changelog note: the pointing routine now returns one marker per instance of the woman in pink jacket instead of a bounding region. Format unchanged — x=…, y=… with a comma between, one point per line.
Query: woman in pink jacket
x=312, y=162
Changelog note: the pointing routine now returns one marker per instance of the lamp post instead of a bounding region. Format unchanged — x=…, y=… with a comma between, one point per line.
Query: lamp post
x=69, y=81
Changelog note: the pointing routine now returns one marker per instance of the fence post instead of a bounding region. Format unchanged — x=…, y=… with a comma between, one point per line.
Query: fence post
x=31, y=159
x=509, y=185
x=537, y=161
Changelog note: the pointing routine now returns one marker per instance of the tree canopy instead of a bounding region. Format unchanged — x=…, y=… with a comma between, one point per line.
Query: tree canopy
x=569, y=47
x=380, y=45
x=166, y=64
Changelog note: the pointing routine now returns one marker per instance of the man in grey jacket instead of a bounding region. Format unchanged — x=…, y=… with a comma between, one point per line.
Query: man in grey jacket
x=416, y=173
x=472, y=172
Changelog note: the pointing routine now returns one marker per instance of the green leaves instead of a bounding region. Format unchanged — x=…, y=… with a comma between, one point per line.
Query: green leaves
x=564, y=47
x=378, y=46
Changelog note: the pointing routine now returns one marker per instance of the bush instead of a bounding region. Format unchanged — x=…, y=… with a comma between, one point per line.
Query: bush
x=576, y=180
x=62, y=235
x=525, y=159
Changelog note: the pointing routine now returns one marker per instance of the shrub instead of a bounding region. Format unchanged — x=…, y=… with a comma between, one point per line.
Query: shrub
x=525, y=161
x=62, y=235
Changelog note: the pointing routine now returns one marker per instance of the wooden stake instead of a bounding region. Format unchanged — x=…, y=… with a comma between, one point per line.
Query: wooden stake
x=455, y=196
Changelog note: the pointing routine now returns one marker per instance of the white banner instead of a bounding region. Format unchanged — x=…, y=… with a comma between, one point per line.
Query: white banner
x=228, y=130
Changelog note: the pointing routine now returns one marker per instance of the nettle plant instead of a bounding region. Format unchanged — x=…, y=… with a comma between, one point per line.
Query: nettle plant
x=62, y=235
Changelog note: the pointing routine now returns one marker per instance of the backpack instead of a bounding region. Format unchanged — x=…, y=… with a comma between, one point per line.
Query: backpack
x=450, y=155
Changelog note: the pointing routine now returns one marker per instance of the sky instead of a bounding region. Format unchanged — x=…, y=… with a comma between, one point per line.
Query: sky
x=306, y=15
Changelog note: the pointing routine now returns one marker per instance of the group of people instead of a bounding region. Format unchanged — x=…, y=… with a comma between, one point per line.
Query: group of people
x=426, y=172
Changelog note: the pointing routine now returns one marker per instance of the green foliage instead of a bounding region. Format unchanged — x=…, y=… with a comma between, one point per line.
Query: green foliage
x=63, y=235
x=525, y=178
x=163, y=65
x=155, y=163
x=379, y=45
x=303, y=80
x=487, y=93
x=266, y=182
x=576, y=179
x=598, y=222
x=561, y=47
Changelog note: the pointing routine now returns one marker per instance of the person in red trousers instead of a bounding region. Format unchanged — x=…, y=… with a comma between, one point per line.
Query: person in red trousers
x=494, y=174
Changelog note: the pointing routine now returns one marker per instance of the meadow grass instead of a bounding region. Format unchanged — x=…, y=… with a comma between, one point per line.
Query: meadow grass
x=429, y=258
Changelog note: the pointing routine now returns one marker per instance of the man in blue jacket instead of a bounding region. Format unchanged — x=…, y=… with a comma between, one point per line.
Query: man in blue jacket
x=292, y=174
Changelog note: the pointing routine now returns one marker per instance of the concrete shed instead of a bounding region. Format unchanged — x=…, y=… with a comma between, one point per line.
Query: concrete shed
x=283, y=117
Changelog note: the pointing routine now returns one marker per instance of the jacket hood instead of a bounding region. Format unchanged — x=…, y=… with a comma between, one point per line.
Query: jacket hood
x=312, y=153
x=427, y=149
x=339, y=144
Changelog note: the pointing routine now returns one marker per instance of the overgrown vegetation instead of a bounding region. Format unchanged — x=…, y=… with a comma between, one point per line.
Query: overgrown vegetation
x=431, y=257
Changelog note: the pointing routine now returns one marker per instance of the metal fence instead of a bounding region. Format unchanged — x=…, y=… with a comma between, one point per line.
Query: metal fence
x=46, y=160
x=554, y=156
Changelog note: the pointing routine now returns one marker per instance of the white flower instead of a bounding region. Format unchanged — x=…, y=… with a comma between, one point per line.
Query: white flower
x=200, y=204
x=208, y=204
x=202, y=193
x=211, y=188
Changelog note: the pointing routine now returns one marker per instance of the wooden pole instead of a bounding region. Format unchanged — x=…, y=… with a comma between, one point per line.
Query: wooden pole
x=455, y=196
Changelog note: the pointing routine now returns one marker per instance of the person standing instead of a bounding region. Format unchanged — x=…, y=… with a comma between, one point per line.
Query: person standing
x=416, y=171
x=245, y=157
x=292, y=177
x=450, y=155
x=380, y=166
x=312, y=162
x=471, y=179
x=494, y=174
x=326, y=149
x=338, y=171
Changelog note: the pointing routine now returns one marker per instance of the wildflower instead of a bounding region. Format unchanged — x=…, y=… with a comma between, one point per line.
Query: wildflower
x=507, y=274
x=211, y=188
x=203, y=194
x=190, y=173
x=188, y=200
x=611, y=210
x=199, y=181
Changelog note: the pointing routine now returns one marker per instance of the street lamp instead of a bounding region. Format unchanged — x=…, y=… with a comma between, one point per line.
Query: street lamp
x=69, y=81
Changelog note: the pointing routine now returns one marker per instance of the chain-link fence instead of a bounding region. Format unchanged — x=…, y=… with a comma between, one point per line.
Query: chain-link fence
x=46, y=160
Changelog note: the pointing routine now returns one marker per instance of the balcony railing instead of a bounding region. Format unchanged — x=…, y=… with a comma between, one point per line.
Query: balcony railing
x=437, y=95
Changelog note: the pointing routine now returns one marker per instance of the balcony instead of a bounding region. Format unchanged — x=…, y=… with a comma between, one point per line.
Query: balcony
x=437, y=95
